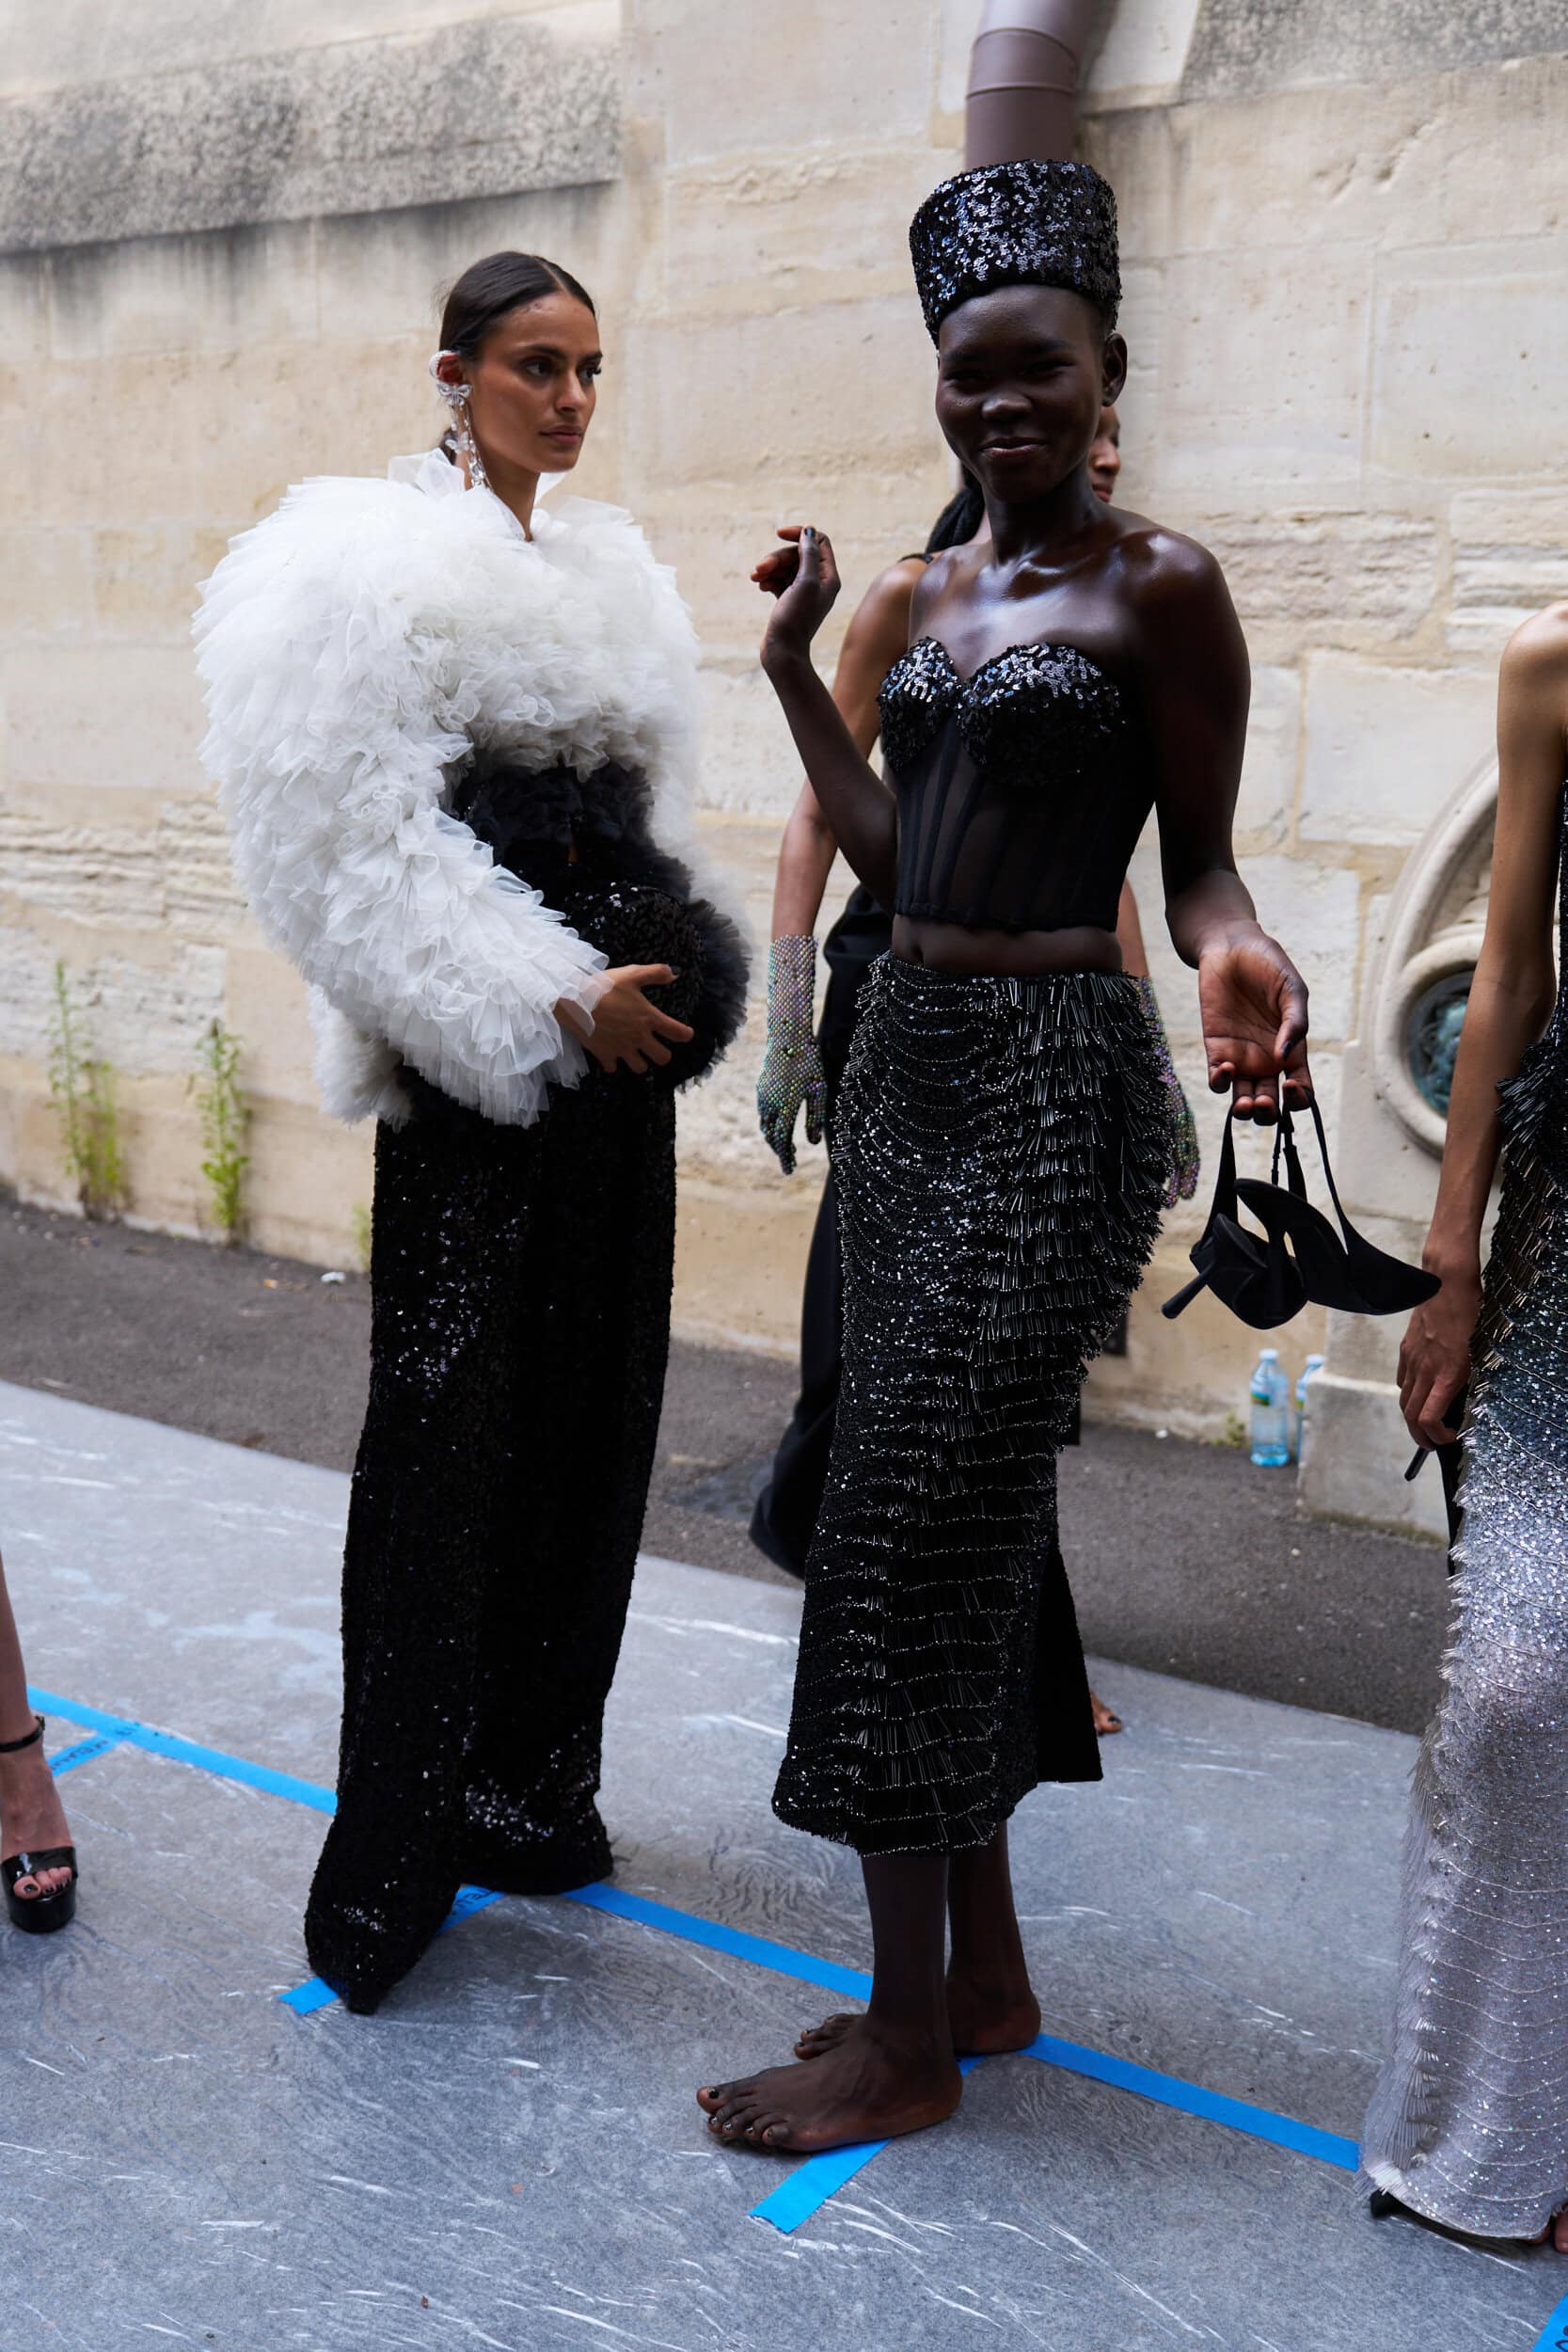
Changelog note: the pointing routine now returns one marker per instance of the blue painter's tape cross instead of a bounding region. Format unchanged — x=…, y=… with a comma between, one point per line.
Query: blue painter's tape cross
x=819, y=2177
x=82, y=1751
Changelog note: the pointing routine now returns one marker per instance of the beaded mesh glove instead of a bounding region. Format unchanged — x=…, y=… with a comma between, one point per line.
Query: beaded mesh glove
x=791, y=1067
x=1184, y=1162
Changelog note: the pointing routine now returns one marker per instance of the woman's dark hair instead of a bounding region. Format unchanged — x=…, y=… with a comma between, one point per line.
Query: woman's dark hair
x=489, y=290
x=959, y=519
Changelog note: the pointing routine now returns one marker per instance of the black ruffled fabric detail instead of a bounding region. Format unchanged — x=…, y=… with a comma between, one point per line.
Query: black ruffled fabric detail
x=622, y=892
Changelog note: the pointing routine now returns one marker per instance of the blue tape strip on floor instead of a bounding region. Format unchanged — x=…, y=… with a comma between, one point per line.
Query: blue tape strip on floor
x=1554, y=2336
x=811, y=2184
x=1165, y=2089
x=708, y=1933
x=82, y=1751
x=1169, y=2091
x=212, y=1761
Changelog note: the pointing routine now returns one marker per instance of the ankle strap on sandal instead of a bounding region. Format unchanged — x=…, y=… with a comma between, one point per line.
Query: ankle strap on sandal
x=28, y=1740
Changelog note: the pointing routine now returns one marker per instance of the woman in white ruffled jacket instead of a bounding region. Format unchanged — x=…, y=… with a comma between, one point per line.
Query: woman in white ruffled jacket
x=454, y=733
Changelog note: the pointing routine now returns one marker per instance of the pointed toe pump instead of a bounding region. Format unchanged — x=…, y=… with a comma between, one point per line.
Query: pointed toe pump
x=38, y=1915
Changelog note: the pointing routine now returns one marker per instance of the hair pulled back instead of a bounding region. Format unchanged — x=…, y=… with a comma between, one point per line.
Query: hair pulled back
x=488, y=289
x=960, y=519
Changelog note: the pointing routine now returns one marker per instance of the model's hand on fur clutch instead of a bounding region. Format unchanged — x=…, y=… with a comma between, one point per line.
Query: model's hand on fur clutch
x=626, y=1028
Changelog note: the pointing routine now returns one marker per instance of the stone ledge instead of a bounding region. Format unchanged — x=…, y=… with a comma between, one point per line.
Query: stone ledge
x=491, y=108
x=1240, y=47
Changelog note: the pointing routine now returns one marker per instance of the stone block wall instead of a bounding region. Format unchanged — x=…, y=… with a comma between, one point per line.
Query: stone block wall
x=1345, y=270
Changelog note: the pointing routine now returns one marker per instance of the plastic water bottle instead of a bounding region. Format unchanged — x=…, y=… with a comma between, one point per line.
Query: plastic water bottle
x=1314, y=1364
x=1271, y=1429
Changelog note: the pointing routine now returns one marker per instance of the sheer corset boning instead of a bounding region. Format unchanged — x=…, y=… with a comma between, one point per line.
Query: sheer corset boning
x=1020, y=795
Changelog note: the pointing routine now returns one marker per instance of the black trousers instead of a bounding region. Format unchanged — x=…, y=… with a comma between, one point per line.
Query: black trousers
x=520, y=1285
x=786, y=1510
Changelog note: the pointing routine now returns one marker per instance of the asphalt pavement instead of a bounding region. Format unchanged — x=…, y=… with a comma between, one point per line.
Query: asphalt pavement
x=1184, y=1559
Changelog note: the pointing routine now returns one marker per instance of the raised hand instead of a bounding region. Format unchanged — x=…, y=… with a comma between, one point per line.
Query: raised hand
x=1252, y=1002
x=804, y=576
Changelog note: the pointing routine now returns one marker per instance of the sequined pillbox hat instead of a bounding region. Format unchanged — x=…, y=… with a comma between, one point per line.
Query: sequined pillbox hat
x=1021, y=224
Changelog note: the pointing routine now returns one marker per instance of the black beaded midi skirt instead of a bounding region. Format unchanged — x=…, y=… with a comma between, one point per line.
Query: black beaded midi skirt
x=1001, y=1149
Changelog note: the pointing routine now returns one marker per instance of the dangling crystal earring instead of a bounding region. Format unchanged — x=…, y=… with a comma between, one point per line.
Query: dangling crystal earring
x=457, y=397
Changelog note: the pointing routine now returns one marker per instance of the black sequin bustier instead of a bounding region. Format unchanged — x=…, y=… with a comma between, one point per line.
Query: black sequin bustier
x=1021, y=796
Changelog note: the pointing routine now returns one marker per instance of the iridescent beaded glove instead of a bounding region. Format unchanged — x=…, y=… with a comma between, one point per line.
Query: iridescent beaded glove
x=791, y=1067
x=1182, y=1183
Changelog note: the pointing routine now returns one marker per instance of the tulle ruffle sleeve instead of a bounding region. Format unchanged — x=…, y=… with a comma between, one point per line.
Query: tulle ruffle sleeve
x=330, y=739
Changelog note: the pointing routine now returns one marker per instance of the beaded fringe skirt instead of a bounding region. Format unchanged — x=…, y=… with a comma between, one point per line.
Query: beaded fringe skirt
x=1469, y=2119
x=1001, y=1149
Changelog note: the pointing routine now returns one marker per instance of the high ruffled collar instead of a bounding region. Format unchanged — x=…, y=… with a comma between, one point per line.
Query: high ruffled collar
x=432, y=471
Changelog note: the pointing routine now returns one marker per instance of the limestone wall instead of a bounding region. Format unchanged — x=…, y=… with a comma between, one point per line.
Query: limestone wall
x=1345, y=280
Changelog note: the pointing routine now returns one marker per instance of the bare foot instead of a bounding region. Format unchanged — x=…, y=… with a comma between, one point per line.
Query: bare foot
x=986, y=2019
x=1106, y=1717
x=863, y=2087
x=31, y=1817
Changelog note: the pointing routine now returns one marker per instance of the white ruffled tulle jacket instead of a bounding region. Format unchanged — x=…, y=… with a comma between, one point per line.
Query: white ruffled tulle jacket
x=358, y=649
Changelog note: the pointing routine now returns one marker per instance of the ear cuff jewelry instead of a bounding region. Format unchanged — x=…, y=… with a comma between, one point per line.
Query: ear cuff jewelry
x=457, y=397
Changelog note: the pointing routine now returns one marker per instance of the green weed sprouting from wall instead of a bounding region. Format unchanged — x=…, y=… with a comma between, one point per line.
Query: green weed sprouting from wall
x=360, y=1217
x=225, y=1117
x=83, y=1087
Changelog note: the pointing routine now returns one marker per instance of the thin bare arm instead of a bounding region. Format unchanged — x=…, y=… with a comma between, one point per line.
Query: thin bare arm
x=1130, y=935
x=1509, y=997
x=859, y=808
x=872, y=643
x=1251, y=999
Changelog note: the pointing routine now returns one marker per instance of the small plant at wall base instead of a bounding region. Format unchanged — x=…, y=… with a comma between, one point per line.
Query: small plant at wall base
x=83, y=1087
x=225, y=1115
x=361, y=1220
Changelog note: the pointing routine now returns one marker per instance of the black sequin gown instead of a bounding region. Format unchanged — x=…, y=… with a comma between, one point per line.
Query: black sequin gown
x=520, y=1282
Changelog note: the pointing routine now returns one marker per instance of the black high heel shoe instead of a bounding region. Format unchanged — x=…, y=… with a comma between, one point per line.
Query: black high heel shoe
x=1342, y=1270
x=1301, y=1257
x=38, y=1915
x=1256, y=1280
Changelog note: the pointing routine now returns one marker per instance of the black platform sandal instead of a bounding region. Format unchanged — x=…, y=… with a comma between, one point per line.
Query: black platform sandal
x=38, y=1915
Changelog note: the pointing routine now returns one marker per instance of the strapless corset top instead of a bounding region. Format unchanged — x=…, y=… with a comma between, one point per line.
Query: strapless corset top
x=1021, y=791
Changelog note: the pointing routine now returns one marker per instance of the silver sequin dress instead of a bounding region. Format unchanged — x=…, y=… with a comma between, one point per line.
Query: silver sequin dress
x=1469, y=2121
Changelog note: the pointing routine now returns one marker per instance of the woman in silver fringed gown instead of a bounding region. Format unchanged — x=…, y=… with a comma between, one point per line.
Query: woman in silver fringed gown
x=1468, y=2126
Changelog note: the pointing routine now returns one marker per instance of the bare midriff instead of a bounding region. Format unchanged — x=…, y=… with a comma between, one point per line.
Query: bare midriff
x=1003, y=955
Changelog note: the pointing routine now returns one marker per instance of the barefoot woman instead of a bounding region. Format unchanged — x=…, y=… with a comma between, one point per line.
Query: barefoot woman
x=1003, y=1136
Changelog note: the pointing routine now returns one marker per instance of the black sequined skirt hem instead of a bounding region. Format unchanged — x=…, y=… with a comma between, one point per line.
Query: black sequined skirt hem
x=1000, y=1156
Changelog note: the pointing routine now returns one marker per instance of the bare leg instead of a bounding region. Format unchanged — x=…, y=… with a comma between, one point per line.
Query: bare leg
x=891, y=2071
x=31, y=1814
x=991, y=2005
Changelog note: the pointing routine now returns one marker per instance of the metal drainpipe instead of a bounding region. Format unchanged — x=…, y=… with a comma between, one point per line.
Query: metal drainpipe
x=1023, y=79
